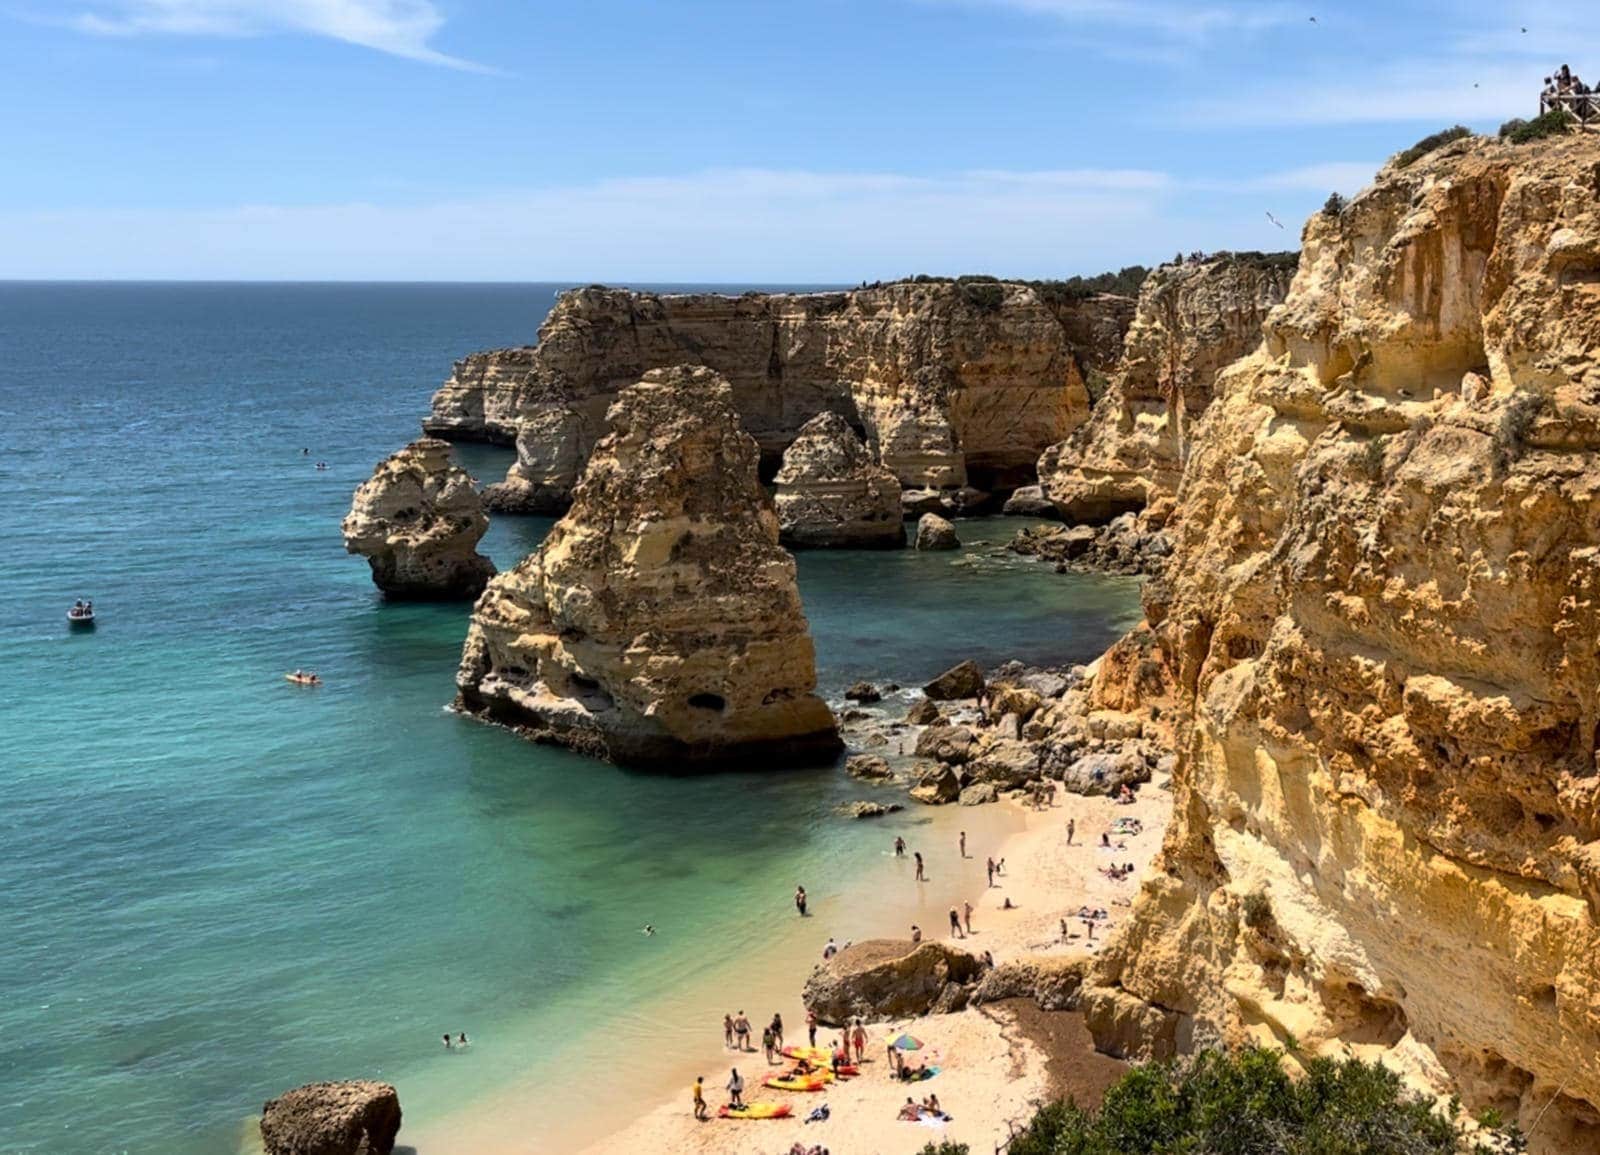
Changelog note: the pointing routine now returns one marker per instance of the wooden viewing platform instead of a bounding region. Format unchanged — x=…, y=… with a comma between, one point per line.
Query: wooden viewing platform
x=1584, y=108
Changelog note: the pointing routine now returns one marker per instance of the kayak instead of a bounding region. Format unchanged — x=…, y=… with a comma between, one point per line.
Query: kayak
x=755, y=1111
x=819, y=1055
x=302, y=680
x=793, y=1082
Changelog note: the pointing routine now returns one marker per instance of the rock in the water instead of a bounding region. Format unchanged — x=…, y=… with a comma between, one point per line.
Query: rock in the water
x=934, y=532
x=1030, y=501
x=332, y=1119
x=659, y=624
x=979, y=793
x=952, y=744
x=868, y=809
x=417, y=520
x=923, y=712
x=887, y=979
x=867, y=766
x=960, y=681
x=832, y=493
x=553, y=442
x=864, y=692
x=937, y=787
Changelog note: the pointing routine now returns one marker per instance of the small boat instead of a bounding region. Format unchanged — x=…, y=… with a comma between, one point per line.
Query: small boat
x=303, y=679
x=81, y=616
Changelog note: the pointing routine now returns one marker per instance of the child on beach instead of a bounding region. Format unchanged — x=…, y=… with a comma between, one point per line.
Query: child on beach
x=860, y=1040
x=766, y=1044
x=727, y=1031
x=700, y=1111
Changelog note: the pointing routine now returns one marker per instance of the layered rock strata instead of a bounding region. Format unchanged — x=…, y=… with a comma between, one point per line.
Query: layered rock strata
x=659, y=624
x=956, y=384
x=1192, y=319
x=418, y=521
x=1382, y=614
x=831, y=493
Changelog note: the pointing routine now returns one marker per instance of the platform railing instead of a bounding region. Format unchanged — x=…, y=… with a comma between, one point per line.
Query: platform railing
x=1584, y=107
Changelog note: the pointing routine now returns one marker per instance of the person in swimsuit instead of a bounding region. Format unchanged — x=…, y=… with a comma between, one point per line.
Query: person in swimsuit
x=899, y=847
x=736, y=1089
x=700, y=1111
x=955, y=923
x=800, y=900
x=741, y=1031
x=811, y=1026
x=966, y=910
x=447, y=1040
x=461, y=1039
x=727, y=1031
x=860, y=1040
x=777, y=1029
x=918, y=857
x=963, y=844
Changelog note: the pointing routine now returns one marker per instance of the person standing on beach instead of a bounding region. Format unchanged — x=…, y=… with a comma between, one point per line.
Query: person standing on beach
x=727, y=1031
x=700, y=1111
x=811, y=1026
x=777, y=1029
x=1072, y=828
x=955, y=923
x=800, y=900
x=966, y=910
x=741, y=1031
x=963, y=844
x=991, y=872
x=736, y=1089
x=860, y=1039
x=899, y=847
x=766, y=1044
x=920, y=877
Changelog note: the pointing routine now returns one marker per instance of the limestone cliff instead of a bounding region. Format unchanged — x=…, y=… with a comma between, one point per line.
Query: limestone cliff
x=1192, y=319
x=659, y=624
x=954, y=383
x=1383, y=611
x=417, y=520
x=832, y=493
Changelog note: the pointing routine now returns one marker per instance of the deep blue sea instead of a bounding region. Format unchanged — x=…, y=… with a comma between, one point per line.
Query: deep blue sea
x=214, y=885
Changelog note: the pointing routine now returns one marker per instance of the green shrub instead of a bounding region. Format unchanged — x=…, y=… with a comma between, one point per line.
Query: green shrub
x=1428, y=143
x=1257, y=910
x=945, y=1147
x=1556, y=122
x=1334, y=205
x=987, y=296
x=1245, y=1103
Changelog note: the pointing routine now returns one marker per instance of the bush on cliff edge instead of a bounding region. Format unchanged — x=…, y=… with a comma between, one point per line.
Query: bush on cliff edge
x=1245, y=1103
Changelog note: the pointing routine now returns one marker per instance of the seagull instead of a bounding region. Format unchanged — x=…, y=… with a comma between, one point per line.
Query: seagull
x=1314, y=20
x=1275, y=220
x=1524, y=31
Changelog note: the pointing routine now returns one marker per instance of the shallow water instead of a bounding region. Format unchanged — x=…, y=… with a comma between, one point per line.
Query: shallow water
x=215, y=885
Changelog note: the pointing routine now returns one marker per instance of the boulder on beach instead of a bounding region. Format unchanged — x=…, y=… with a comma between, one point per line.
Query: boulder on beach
x=1006, y=762
x=937, y=787
x=1105, y=773
x=888, y=979
x=960, y=681
x=935, y=532
x=867, y=766
x=867, y=809
x=979, y=793
x=352, y=1118
x=923, y=712
x=952, y=744
x=1030, y=501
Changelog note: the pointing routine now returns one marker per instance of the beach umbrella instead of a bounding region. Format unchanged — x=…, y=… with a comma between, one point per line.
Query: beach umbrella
x=907, y=1043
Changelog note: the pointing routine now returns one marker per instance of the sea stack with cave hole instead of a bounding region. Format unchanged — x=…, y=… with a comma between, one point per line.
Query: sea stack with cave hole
x=659, y=625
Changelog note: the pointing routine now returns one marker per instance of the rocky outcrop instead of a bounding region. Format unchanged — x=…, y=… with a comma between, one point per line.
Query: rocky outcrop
x=955, y=384
x=962, y=680
x=831, y=493
x=1382, y=614
x=418, y=521
x=332, y=1119
x=935, y=533
x=1193, y=318
x=659, y=624
x=889, y=979
x=553, y=442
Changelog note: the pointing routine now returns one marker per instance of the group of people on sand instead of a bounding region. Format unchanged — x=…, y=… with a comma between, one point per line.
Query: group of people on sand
x=929, y=1108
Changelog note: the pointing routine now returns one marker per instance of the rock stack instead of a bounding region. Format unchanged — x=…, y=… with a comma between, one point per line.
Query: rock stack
x=418, y=521
x=659, y=625
x=832, y=493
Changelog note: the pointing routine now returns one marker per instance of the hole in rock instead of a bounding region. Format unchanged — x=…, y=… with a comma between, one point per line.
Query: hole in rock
x=708, y=701
x=1544, y=996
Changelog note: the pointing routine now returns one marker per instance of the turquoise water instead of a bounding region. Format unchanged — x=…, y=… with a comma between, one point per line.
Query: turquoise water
x=214, y=885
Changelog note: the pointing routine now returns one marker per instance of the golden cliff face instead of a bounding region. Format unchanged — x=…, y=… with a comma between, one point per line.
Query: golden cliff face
x=1192, y=320
x=1383, y=611
x=954, y=385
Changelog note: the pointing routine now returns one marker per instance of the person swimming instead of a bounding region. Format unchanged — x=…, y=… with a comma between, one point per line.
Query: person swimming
x=461, y=1039
x=647, y=930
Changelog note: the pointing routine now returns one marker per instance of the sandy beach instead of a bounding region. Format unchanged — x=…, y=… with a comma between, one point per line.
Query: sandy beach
x=997, y=1062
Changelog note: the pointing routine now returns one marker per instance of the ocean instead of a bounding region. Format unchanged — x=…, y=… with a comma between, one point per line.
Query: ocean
x=214, y=885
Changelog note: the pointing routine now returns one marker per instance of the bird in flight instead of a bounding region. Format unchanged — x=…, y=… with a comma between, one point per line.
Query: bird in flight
x=1314, y=20
x=1275, y=220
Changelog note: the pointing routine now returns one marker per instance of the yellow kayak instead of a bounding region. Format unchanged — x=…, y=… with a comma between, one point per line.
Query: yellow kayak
x=813, y=1082
x=821, y=1056
x=756, y=1111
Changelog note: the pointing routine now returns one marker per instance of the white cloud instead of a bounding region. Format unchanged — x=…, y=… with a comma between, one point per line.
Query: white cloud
x=1175, y=19
x=398, y=27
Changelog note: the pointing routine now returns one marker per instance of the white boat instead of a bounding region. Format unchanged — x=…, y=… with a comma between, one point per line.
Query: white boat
x=81, y=615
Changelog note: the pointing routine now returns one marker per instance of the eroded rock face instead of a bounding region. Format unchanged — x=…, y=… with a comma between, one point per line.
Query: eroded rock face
x=887, y=979
x=659, y=624
x=553, y=443
x=1382, y=612
x=954, y=385
x=332, y=1119
x=1192, y=320
x=418, y=521
x=831, y=493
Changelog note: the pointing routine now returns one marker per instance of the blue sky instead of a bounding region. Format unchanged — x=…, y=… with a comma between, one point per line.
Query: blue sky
x=719, y=140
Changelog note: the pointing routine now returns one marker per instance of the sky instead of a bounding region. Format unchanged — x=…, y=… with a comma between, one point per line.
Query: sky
x=771, y=141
